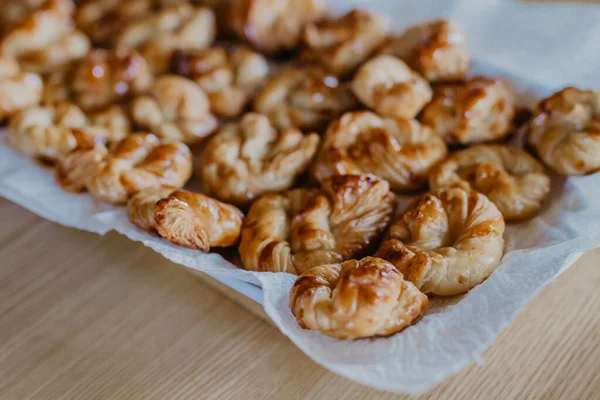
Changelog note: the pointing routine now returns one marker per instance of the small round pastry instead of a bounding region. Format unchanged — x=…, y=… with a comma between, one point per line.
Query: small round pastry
x=156, y=37
x=176, y=109
x=304, y=98
x=14, y=12
x=356, y=299
x=45, y=42
x=46, y=132
x=18, y=90
x=185, y=218
x=341, y=44
x=102, y=20
x=511, y=178
x=436, y=49
x=247, y=159
x=273, y=25
x=388, y=86
x=299, y=229
x=446, y=243
x=140, y=161
x=565, y=131
x=400, y=151
x=106, y=77
x=479, y=110
x=230, y=78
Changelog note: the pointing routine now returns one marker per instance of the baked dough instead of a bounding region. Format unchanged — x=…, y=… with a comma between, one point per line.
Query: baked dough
x=250, y=158
x=140, y=161
x=479, y=110
x=298, y=229
x=176, y=109
x=304, y=98
x=106, y=77
x=511, y=178
x=156, y=37
x=387, y=85
x=185, y=218
x=565, y=131
x=446, y=243
x=18, y=89
x=341, y=44
x=273, y=25
x=45, y=42
x=401, y=151
x=230, y=77
x=356, y=299
x=436, y=49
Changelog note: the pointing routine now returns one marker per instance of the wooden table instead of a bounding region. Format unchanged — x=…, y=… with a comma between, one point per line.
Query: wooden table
x=90, y=317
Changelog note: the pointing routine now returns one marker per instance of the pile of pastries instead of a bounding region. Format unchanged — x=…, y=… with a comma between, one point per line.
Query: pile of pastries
x=304, y=129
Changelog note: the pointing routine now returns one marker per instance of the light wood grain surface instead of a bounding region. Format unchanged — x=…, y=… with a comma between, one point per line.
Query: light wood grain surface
x=90, y=317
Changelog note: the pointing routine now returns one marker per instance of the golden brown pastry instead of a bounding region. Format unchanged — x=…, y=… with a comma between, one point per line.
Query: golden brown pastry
x=46, y=132
x=230, y=78
x=480, y=110
x=182, y=27
x=14, y=12
x=356, y=299
x=446, y=243
x=273, y=25
x=388, y=86
x=299, y=229
x=140, y=161
x=175, y=109
x=111, y=123
x=102, y=20
x=250, y=158
x=18, y=90
x=400, y=151
x=565, y=131
x=511, y=178
x=341, y=44
x=305, y=98
x=105, y=77
x=57, y=87
x=185, y=218
x=437, y=50
x=45, y=42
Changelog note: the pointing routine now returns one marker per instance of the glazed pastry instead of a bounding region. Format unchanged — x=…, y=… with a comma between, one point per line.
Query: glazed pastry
x=111, y=123
x=176, y=109
x=230, y=78
x=250, y=158
x=105, y=77
x=14, y=12
x=437, y=50
x=511, y=178
x=342, y=44
x=388, y=86
x=18, y=90
x=446, y=243
x=305, y=98
x=356, y=299
x=565, y=131
x=140, y=161
x=45, y=42
x=480, y=110
x=102, y=20
x=400, y=151
x=156, y=37
x=299, y=229
x=46, y=132
x=273, y=25
x=185, y=218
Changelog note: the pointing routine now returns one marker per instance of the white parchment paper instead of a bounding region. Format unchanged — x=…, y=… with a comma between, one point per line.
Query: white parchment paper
x=541, y=47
